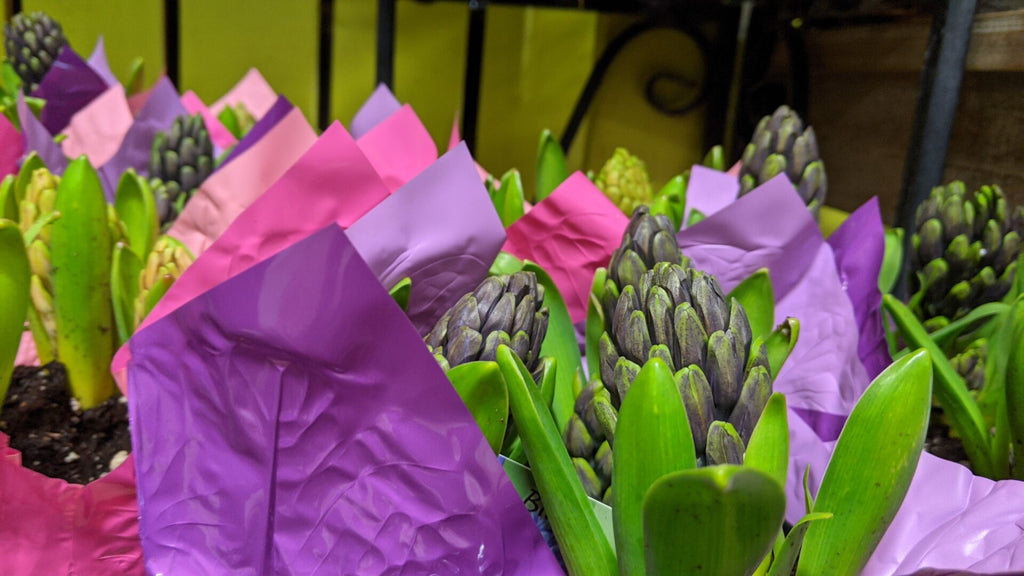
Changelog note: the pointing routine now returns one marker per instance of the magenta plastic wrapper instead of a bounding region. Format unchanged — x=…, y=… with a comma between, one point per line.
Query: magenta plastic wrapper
x=48, y=526
x=69, y=85
x=11, y=147
x=277, y=433
x=570, y=234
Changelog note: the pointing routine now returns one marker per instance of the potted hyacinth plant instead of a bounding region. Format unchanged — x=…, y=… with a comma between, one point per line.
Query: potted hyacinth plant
x=84, y=273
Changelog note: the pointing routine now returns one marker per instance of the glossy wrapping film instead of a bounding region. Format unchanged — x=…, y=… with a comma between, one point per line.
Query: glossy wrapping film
x=290, y=421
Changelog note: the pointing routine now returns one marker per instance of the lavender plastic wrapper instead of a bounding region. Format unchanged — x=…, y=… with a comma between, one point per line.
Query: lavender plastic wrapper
x=381, y=104
x=276, y=433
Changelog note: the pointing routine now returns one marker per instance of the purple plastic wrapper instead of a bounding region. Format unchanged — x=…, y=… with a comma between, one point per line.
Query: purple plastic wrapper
x=859, y=247
x=39, y=140
x=381, y=104
x=440, y=230
x=279, y=110
x=157, y=115
x=275, y=433
x=67, y=87
x=950, y=520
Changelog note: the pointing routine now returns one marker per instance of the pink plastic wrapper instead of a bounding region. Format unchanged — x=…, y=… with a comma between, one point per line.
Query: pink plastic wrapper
x=277, y=434
x=48, y=526
x=570, y=234
x=97, y=130
x=226, y=193
x=11, y=147
x=253, y=91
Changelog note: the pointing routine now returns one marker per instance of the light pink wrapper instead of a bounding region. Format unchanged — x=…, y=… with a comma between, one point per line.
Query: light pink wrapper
x=97, y=130
x=253, y=91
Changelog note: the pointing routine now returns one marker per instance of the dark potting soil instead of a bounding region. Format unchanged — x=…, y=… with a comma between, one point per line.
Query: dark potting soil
x=54, y=436
x=939, y=443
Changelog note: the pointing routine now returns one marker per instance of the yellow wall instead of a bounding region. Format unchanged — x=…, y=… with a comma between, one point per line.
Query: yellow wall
x=536, y=63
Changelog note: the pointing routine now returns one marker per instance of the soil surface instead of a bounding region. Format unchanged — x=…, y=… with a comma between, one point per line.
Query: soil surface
x=54, y=436
x=939, y=443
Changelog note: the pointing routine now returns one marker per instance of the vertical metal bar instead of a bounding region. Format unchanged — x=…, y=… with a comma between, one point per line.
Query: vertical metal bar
x=172, y=40
x=13, y=7
x=386, y=42
x=325, y=60
x=474, y=67
x=936, y=109
x=746, y=10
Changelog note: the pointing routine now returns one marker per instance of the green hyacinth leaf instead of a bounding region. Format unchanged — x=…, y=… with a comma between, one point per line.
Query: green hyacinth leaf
x=892, y=261
x=483, y=391
x=950, y=389
x=1015, y=387
x=80, y=254
x=136, y=73
x=595, y=321
x=37, y=226
x=8, y=203
x=780, y=343
x=786, y=556
x=511, y=197
x=124, y=288
x=229, y=120
x=505, y=263
x=14, y=293
x=695, y=217
x=552, y=168
x=136, y=207
x=652, y=439
x=945, y=335
x=400, y=292
x=580, y=537
x=559, y=343
x=715, y=520
x=768, y=449
x=758, y=299
x=32, y=163
x=871, y=469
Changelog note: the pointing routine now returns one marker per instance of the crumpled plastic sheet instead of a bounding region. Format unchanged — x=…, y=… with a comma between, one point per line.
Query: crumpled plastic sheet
x=68, y=86
x=276, y=433
x=570, y=234
x=36, y=138
x=48, y=526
